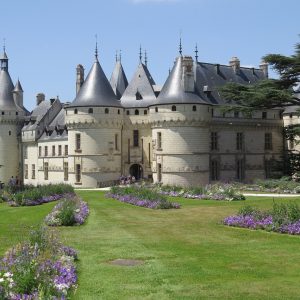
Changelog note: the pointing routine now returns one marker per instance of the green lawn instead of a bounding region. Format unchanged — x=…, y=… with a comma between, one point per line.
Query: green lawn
x=187, y=253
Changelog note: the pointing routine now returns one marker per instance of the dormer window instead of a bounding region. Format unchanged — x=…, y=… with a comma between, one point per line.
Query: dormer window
x=136, y=112
x=90, y=111
x=174, y=108
x=106, y=111
x=138, y=96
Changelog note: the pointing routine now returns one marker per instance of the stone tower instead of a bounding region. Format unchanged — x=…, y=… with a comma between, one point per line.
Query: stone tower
x=94, y=121
x=12, y=113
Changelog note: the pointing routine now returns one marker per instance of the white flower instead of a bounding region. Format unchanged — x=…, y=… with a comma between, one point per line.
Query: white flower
x=8, y=274
x=1, y=280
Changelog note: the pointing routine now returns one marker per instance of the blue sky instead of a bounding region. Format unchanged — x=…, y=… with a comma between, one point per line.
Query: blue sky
x=46, y=39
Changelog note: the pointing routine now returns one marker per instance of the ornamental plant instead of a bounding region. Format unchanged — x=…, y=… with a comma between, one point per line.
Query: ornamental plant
x=40, y=268
x=141, y=196
x=30, y=195
x=69, y=211
x=283, y=218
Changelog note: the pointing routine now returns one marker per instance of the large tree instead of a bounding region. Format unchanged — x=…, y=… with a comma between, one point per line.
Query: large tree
x=268, y=93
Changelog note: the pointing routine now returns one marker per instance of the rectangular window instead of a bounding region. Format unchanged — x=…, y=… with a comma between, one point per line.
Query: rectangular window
x=239, y=141
x=116, y=142
x=158, y=137
x=236, y=114
x=32, y=171
x=268, y=141
x=66, y=150
x=159, y=172
x=46, y=170
x=264, y=114
x=214, y=141
x=46, y=150
x=292, y=143
x=77, y=141
x=135, y=138
x=214, y=170
x=26, y=171
x=40, y=151
x=78, y=173
x=66, y=171
x=59, y=150
x=240, y=169
x=25, y=152
x=53, y=150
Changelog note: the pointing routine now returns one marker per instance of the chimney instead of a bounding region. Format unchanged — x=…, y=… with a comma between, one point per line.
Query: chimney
x=264, y=67
x=218, y=68
x=188, y=74
x=79, y=77
x=235, y=64
x=40, y=97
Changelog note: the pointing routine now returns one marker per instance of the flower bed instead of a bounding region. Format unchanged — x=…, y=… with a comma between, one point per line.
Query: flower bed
x=31, y=196
x=68, y=212
x=41, y=268
x=141, y=196
x=219, y=192
x=283, y=218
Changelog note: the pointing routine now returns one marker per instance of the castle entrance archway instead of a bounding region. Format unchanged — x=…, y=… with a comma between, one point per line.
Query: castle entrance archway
x=136, y=170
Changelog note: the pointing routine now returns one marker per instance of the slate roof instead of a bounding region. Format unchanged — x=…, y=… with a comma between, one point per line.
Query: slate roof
x=210, y=77
x=173, y=90
x=18, y=87
x=56, y=129
x=118, y=80
x=96, y=90
x=142, y=83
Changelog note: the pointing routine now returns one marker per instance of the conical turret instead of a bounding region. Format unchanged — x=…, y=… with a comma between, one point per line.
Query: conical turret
x=118, y=80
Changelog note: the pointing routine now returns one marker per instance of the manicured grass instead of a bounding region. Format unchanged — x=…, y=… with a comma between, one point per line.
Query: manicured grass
x=187, y=253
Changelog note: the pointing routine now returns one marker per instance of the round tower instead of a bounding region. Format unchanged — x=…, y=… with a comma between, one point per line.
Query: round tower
x=180, y=129
x=12, y=113
x=94, y=121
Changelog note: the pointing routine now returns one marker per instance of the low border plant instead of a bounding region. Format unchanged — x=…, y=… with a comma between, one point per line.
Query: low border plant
x=40, y=268
x=282, y=218
x=141, y=196
x=69, y=211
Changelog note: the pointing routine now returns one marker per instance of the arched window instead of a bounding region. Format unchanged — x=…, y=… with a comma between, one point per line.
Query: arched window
x=106, y=110
x=194, y=108
x=136, y=112
x=91, y=110
x=156, y=109
x=173, y=108
x=145, y=111
x=75, y=111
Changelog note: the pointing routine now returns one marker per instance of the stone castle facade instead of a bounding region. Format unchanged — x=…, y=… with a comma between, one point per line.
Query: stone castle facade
x=176, y=134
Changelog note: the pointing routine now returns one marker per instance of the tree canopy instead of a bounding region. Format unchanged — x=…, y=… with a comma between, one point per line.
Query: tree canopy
x=268, y=93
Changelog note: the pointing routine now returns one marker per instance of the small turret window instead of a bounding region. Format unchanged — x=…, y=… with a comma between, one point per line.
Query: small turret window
x=173, y=108
x=2, y=113
x=17, y=113
x=75, y=111
x=194, y=108
x=91, y=110
x=156, y=109
x=118, y=111
x=145, y=112
x=9, y=133
x=138, y=96
x=106, y=110
x=127, y=112
x=136, y=112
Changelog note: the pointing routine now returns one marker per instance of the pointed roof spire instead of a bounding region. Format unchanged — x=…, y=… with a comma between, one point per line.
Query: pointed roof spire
x=96, y=48
x=120, y=56
x=196, y=53
x=116, y=55
x=18, y=87
x=118, y=80
x=180, y=45
x=146, y=58
x=140, y=54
